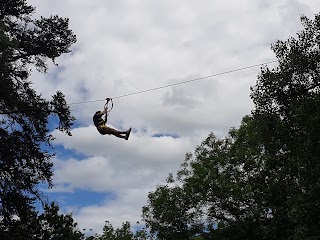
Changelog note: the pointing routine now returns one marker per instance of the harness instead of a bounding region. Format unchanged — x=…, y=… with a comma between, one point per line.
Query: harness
x=100, y=122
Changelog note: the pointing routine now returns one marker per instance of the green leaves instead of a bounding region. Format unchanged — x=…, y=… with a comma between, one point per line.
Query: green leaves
x=16, y=8
x=24, y=131
x=62, y=111
x=47, y=225
x=122, y=233
x=58, y=226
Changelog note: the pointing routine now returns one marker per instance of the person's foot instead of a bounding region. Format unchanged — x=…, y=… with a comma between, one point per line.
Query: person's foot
x=128, y=134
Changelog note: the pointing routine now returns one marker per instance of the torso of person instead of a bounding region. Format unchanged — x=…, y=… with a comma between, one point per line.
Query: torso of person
x=97, y=120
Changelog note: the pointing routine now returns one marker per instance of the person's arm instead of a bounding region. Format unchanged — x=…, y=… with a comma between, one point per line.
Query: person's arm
x=105, y=111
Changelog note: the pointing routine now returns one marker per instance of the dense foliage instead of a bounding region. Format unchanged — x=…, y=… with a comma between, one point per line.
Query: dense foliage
x=262, y=181
x=27, y=43
x=47, y=225
x=122, y=233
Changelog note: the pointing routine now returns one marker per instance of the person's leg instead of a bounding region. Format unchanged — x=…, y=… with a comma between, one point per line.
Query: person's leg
x=116, y=133
x=107, y=130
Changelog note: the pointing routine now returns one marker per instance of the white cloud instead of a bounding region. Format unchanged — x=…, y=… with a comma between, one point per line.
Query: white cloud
x=143, y=154
x=128, y=46
x=130, y=169
x=83, y=174
x=117, y=211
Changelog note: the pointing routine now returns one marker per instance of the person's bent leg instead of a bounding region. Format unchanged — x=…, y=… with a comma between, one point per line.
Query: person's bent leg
x=107, y=130
x=117, y=133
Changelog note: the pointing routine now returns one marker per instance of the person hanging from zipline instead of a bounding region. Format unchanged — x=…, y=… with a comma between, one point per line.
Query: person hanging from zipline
x=100, y=123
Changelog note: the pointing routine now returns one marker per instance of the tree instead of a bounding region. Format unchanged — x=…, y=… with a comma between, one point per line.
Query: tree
x=122, y=233
x=24, y=131
x=57, y=226
x=49, y=225
x=216, y=202
x=170, y=214
x=289, y=96
x=262, y=181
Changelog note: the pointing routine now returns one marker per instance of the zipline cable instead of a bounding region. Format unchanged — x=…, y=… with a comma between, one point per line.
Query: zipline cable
x=183, y=82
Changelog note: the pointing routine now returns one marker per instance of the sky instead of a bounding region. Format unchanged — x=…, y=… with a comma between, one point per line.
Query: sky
x=130, y=46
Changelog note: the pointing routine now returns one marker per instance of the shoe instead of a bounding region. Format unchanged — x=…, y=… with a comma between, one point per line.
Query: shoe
x=128, y=134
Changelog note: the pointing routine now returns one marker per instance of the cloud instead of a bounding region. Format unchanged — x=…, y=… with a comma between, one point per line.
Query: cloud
x=141, y=151
x=117, y=211
x=129, y=169
x=85, y=174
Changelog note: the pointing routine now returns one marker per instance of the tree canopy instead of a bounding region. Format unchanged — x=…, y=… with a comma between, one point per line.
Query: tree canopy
x=262, y=181
x=27, y=43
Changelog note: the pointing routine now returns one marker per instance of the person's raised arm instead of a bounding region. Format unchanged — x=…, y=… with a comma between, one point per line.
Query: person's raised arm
x=104, y=111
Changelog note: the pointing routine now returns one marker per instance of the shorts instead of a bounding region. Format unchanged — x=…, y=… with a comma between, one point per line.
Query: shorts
x=103, y=129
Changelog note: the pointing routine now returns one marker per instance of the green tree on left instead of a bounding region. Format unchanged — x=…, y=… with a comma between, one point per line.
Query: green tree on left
x=27, y=43
x=49, y=225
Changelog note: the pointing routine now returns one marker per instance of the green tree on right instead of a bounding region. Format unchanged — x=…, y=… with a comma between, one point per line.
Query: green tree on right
x=262, y=181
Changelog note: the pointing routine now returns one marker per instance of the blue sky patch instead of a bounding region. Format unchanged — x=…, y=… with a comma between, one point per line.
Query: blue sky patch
x=158, y=135
x=80, y=198
x=63, y=153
